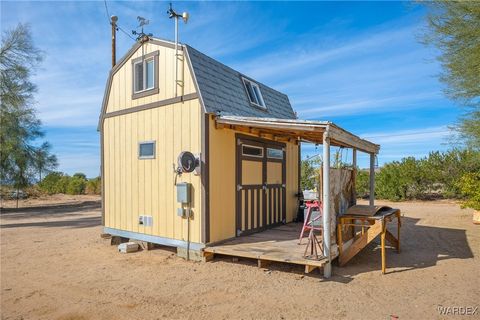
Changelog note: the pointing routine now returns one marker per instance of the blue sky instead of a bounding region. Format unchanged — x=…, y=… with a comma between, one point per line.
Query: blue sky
x=358, y=64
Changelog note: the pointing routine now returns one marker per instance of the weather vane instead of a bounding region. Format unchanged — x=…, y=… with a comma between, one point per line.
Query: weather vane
x=141, y=23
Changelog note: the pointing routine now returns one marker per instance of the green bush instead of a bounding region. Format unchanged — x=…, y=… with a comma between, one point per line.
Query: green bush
x=309, y=174
x=54, y=182
x=94, y=186
x=401, y=180
x=80, y=175
x=76, y=185
x=434, y=176
x=58, y=182
x=469, y=186
x=362, y=183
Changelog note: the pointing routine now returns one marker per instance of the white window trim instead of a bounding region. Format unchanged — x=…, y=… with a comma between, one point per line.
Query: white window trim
x=144, y=64
x=245, y=80
x=254, y=147
x=154, y=149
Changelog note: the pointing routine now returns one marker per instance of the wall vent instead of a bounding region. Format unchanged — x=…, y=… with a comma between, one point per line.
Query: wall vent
x=146, y=221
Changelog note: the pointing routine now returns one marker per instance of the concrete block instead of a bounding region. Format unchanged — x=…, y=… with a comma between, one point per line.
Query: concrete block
x=195, y=255
x=128, y=247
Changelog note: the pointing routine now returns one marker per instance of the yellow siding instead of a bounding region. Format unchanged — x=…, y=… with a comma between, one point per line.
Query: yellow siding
x=274, y=172
x=136, y=187
x=222, y=182
x=121, y=90
x=292, y=180
x=252, y=172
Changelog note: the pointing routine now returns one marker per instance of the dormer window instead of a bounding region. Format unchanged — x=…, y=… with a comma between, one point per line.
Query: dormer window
x=145, y=75
x=254, y=93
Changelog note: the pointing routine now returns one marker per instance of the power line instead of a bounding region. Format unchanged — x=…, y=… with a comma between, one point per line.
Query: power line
x=126, y=33
x=106, y=11
x=118, y=27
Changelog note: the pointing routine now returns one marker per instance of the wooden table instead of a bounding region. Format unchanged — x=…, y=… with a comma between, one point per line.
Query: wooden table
x=371, y=227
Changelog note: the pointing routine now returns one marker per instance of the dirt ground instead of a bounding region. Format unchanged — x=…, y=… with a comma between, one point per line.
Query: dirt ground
x=54, y=265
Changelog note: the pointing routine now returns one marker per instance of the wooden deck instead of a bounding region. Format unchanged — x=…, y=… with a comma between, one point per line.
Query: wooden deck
x=279, y=244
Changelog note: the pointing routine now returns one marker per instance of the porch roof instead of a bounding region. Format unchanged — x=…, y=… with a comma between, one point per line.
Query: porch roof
x=310, y=131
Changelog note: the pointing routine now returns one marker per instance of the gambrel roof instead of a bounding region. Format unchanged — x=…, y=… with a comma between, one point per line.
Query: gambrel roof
x=223, y=91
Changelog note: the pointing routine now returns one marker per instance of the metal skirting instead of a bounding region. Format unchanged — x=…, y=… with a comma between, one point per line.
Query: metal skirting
x=153, y=239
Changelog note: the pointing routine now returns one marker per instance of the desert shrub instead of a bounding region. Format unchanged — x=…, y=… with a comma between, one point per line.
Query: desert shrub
x=54, y=182
x=469, y=186
x=438, y=174
x=309, y=173
x=80, y=175
x=400, y=180
x=76, y=185
x=362, y=183
x=94, y=186
x=34, y=191
x=446, y=168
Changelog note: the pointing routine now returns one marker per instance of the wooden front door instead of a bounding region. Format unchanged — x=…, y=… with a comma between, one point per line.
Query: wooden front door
x=260, y=183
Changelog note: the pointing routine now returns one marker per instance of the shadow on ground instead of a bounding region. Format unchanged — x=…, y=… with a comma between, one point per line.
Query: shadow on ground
x=85, y=222
x=420, y=247
x=72, y=216
x=58, y=209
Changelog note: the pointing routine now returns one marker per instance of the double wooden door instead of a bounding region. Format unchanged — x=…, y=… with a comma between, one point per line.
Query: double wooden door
x=260, y=183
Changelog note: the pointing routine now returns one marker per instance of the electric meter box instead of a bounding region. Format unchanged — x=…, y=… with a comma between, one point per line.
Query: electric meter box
x=183, y=192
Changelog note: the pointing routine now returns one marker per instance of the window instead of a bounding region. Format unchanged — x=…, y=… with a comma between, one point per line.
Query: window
x=146, y=150
x=252, y=151
x=145, y=75
x=274, y=153
x=254, y=93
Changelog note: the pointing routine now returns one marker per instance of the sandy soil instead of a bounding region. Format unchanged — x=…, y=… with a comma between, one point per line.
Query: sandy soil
x=54, y=265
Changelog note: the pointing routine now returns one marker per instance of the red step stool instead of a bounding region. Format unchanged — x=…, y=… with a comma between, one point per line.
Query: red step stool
x=308, y=223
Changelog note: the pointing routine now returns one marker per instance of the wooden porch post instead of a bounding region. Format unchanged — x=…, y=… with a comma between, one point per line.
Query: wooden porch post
x=327, y=269
x=372, y=179
x=354, y=174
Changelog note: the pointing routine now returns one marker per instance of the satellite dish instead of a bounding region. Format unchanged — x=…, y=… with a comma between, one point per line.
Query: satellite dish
x=187, y=161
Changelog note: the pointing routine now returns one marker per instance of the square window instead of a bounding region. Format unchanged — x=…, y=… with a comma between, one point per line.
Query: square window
x=146, y=150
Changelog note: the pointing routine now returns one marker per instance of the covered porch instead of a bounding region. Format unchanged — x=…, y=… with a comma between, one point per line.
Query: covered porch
x=281, y=244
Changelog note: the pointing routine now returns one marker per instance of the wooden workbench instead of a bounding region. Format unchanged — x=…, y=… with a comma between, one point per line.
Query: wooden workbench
x=370, y=226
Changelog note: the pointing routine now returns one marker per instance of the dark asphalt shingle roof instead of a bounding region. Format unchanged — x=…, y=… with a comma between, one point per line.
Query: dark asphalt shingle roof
x=223, y=91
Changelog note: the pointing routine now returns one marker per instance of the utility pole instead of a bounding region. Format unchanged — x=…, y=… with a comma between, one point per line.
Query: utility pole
x=113, y=22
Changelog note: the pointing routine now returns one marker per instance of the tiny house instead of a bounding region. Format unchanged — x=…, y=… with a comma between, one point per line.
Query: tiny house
x=244, y=135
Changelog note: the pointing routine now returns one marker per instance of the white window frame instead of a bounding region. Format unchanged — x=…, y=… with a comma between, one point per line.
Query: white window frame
x=144, y=67
x=260, y=98
x=254, y=147
x=154, y=149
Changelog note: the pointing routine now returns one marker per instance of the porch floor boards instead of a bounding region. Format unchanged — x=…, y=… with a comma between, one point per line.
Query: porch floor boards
x=279, y=244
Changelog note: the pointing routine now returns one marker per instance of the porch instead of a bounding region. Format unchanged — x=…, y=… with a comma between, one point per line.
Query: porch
x=279, y=244
x=276, y=247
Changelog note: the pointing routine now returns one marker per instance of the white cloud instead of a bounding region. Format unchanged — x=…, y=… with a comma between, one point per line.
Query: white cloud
x=409, y=136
